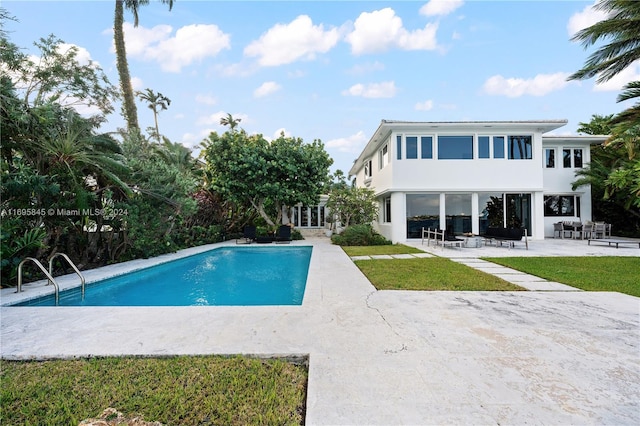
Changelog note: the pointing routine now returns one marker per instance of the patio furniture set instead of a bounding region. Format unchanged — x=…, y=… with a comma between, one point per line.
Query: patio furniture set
x=587, y=230
x=282, y=236
x=497, y=236
x=597, y=232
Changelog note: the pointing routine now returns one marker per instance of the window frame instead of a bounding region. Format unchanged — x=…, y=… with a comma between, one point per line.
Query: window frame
x=450, y=136
x=383, y=156
x=368, y=169
x=575, y=203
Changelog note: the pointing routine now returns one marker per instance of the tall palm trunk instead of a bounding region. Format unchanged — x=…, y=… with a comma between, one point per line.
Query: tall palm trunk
x=129, y=104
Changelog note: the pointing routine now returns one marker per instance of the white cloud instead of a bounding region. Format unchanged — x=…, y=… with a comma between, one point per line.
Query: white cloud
x=191, y=43
x=206, y=99
x=266, y=88
x=83, y=57
x=627, y=75
x=386, y=89
x=585, y=18
x=424, y=106
x=440, y=7
x=381, y=30
x=360, y=69
x=287, y=43
x=352, y=144
x=137, y=83
x=540, y=85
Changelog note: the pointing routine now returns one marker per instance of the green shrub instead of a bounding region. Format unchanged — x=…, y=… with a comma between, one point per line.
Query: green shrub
x=296, y=235
x=359, y=235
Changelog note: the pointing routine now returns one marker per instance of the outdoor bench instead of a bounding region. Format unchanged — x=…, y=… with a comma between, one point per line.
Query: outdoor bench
x=507, y=235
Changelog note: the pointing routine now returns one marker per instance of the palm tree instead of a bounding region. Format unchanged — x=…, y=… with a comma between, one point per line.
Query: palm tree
x=155, y=100
x=622, y=28
x=230, y=121
x=130, y=111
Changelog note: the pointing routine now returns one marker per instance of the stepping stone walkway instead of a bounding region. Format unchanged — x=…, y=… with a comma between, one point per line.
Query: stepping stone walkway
x=527, y=281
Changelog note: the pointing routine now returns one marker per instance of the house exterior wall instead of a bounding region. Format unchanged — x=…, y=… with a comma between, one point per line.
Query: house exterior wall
x=456, y=166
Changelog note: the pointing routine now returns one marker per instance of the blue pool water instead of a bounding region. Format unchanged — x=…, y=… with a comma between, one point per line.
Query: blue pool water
x=239, y=276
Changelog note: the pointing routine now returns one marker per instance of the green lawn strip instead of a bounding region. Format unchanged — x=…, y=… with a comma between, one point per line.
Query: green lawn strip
x=610, y=273
x=175, y=390
x=432, y=273
x=376, y=250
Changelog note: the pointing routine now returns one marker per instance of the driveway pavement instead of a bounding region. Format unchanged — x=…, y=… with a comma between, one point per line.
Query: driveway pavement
x=388, y=357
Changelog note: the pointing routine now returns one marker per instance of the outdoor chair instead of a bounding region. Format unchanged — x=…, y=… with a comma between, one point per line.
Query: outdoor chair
x=248, y=235
x=284, y=235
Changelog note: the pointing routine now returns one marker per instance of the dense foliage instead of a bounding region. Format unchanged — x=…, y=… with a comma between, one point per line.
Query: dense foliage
x=359, y=235
x=615, y=170
x=67, y=188
x=270, y=176
x=615, y=196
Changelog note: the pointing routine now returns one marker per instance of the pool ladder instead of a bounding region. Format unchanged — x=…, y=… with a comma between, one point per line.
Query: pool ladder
x=49, y=274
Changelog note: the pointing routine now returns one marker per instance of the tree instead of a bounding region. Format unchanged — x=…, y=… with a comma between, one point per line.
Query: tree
x=156, y=101
x=270, y=176
x=129, y=104
x=352, y=205
x=57, y=76
x=613, y=175
x=622, y=28
x=599, y=125
x=230, y=121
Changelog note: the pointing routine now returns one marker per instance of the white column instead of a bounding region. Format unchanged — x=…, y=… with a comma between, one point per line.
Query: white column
x=443, y=212
x=398, y=217
x=475, y=214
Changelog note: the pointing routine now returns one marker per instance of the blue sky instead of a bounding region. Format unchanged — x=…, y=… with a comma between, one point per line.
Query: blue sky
x=333, y=70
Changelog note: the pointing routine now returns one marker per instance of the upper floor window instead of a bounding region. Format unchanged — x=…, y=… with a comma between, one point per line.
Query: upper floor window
x=412, y=147
x=384, y=156
x=399, y=147
x=426, y=147
x=572, y=157
x=483, y=147
x=520, y=148
x=367, y=169
x=498, y=147
x=550, y=158
x=455, y=147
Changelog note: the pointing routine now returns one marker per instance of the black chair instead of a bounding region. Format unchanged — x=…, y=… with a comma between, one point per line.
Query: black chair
x=249, y=235
x=284, y=235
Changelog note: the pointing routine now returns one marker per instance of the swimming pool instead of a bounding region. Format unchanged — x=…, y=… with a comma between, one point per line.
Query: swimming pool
x=225, y=276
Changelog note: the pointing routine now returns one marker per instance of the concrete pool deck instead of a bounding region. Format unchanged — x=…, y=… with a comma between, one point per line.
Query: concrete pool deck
x=391, y=357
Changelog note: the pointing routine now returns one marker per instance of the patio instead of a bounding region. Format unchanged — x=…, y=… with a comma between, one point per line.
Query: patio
x=394, y=357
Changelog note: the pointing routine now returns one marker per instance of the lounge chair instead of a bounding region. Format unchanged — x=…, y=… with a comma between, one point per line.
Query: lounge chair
x=248, y=235
x=284, y=235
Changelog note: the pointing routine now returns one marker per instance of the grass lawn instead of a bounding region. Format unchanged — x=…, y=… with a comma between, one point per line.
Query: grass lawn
x=175, y=390
x=432, y=273
x=621, y=274
x=374, y=250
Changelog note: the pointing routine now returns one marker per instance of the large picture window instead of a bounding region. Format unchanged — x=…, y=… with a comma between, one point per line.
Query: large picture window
x=423, y=211
x=520, y=148
x=562, y=205
x=455, y=147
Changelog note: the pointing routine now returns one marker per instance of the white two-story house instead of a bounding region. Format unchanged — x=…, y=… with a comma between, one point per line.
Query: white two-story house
x=466, y=176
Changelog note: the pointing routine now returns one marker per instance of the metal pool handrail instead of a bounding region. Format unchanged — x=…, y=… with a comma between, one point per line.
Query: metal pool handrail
x=42, y=268
x=75, y=268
